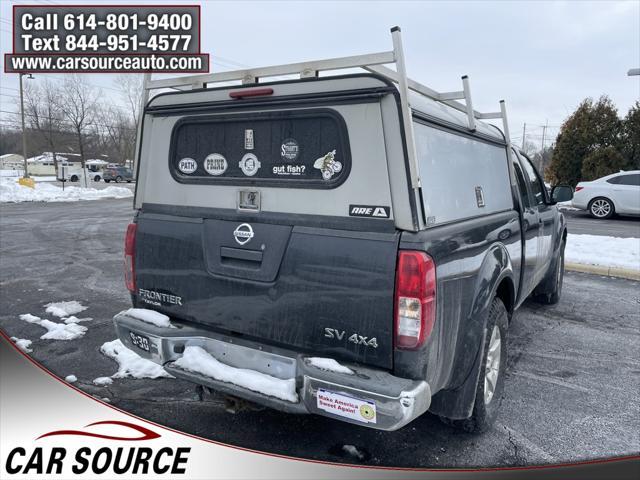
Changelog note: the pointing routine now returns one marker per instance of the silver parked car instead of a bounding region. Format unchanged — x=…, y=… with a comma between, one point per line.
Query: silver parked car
x=616, y=193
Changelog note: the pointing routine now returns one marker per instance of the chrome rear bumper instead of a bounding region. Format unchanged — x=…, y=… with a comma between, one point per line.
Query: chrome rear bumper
x=397, y=401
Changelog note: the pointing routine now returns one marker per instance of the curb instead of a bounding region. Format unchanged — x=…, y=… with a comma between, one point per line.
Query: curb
x=617, y=272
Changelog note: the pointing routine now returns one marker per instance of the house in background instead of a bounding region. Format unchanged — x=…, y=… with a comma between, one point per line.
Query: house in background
x=11, y=161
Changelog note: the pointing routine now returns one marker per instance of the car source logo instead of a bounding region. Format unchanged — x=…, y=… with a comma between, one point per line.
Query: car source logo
x=243, y=233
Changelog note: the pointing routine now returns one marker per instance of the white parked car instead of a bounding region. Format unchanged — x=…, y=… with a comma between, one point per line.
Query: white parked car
x=616, y=193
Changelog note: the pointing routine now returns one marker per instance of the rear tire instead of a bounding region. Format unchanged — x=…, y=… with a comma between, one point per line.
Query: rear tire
x=107, y=181
x=74, y=178
x=96, y=178
x=118, y=179
x=492, y=369
x=601, y=208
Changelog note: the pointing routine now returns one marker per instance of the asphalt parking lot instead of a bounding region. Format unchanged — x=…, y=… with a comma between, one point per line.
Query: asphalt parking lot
x=571, y=391
x=580, y=222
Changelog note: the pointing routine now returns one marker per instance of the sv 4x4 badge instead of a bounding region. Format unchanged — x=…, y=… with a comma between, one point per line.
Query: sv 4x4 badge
x=354, y=338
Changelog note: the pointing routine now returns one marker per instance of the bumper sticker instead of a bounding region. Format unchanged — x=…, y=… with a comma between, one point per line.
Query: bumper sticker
x=345, y=406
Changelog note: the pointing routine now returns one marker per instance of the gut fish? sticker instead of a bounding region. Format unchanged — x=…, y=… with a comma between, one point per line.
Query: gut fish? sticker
x=328, y=165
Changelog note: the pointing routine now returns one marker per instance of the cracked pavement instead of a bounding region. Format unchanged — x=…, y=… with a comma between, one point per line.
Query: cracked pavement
x=571, y=391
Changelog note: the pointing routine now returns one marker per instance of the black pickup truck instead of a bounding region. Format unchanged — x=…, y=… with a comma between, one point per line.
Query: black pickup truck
x=302, y=263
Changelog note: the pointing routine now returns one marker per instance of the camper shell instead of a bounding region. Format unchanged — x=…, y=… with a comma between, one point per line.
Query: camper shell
x=354, y=241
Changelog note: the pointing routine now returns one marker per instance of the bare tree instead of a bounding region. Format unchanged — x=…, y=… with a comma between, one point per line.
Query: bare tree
x=79, y=102
x=131, y=90
x=117, y=132
x=44, y=114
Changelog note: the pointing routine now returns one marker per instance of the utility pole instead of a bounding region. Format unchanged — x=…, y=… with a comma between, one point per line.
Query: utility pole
x=524, y=132
x=544, y=131
x=24, y=133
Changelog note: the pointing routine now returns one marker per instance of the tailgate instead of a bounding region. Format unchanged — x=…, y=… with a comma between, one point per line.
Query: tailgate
x=323, y=291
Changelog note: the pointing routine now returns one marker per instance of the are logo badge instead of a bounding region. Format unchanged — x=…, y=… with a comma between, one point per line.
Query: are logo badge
x=187, y=165
x=243, y=233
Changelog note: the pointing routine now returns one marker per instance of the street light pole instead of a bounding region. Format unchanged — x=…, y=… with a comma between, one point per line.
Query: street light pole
x=24, y=133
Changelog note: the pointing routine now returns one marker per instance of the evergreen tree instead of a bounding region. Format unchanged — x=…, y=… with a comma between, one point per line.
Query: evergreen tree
x=593, y=126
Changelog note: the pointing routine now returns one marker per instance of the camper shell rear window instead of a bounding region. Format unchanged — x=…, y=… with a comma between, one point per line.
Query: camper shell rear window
x=307, y=148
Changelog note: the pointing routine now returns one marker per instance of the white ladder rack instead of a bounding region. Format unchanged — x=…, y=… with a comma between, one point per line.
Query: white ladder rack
x=372, y=62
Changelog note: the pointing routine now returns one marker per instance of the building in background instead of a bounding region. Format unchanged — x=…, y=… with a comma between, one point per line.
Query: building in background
x=11, y=161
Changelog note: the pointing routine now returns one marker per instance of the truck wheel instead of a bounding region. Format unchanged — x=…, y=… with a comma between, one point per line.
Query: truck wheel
x=118, y=179
x=492, y=369
x=96, y=178
x=601, y=208
x=551, y=288
x=74, y=178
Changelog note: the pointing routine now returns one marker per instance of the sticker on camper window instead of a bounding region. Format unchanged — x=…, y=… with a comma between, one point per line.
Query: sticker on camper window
x=289, y=149
x=215, y=164
x=249, y=164
x=328, y=165
x=289, y=170
x=248, y=139
x=187, y=165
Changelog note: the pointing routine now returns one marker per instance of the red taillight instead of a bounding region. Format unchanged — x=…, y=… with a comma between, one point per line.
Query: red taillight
x=415, y=301
x=251, y=92
x=578, y=189
x=129, y=257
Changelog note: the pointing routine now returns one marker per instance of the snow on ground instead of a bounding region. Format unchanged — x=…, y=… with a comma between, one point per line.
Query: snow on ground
x=71, y=378
x=328, y=364
x=130, y=364
x=149, y=316
x=73, y=319
x=65, y=309
x=23, y=344
x=196, y=359
x=353, y=451
x=56, y=331
x=603, y=250
x=12, y=191
x=102, y=381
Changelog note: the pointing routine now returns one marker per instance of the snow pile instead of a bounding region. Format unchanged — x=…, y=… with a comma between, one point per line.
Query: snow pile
x=150, y=316
x=196, y=359
x=328, y=364
x=353, y=451
x=73, y=319
x=603, y=250
x=56, y=331
x=12, y=191
x=102, y=381
x=23, y=344
x=131, y=364
x=71, y=378
x=65, y=309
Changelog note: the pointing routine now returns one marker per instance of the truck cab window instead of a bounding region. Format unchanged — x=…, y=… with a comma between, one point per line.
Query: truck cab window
x=522, y=186
x=535, y=184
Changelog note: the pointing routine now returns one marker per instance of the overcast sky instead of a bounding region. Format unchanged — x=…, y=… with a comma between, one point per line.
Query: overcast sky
x=543, y=58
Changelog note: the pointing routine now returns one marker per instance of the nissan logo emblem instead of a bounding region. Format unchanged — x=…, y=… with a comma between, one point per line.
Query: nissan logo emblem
x=243, y=233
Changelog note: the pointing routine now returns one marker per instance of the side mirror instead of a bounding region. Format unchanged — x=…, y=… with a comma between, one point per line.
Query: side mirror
x=561, y=193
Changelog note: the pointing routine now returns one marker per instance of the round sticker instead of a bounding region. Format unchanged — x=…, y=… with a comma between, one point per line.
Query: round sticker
x=367, y=412
x=249, y=164
x=215, y=164
x=289, y=149
x=187, y=165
